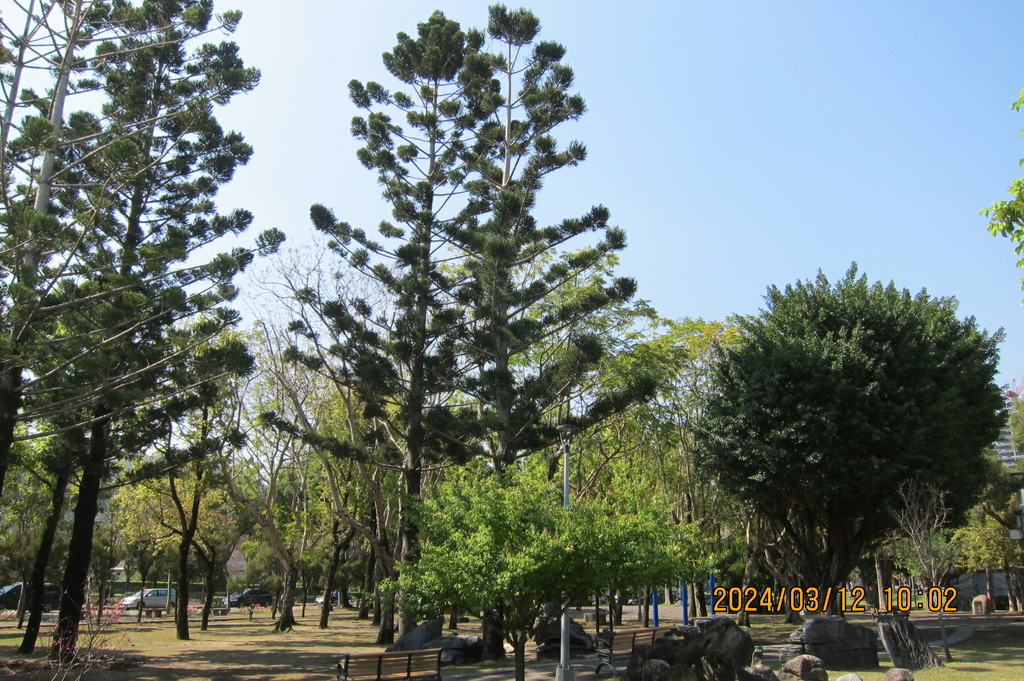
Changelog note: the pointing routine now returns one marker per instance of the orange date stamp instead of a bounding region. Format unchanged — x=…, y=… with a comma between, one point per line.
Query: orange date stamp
x=844, y=600
x=786, y=598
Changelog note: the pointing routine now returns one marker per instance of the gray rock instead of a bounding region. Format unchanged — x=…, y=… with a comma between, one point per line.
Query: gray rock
x=456, y=649
x=898, y=674
x=418, y=638
x=656, y=670
x=549, y=639
x=850, y=677
x=803, y=668
x=836, y=642
x=712, y=648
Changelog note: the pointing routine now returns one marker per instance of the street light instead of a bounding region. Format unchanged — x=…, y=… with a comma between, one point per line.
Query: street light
x=563, y=672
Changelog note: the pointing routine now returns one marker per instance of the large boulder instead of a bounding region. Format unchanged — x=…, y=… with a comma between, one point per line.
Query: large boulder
x=836, y=642
x=456, y=649
x=418, y=638
x=549, y=639
x=803, y=668
x=711, y=649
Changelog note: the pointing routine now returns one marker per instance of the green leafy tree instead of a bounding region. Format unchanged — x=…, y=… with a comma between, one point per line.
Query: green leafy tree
x=511, y=543
x=651, y=446
x=832, y=398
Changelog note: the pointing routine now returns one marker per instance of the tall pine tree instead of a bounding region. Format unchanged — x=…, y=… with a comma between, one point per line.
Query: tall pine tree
x=517, y=272
x=130, y=194
x=465, y=287
x=398, y=353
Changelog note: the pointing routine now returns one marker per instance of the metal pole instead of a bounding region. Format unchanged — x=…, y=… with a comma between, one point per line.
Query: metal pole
x=711, y=595
x=684, y=599
x=654, y=604
x=563, y=672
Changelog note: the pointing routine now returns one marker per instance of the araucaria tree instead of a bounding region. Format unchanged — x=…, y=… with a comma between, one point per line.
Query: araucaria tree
x=836, y=395
x=105, y=295
x=527, y=342
x=464, y=306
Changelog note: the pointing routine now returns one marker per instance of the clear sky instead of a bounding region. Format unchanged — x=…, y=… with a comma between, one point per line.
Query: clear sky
x=740, y=144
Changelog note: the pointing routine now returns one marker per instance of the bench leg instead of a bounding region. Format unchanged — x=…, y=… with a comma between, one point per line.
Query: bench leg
x=615, y=672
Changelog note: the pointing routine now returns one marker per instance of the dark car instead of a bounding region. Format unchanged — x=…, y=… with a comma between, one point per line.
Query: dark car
x=11, y=594
x=249, y=597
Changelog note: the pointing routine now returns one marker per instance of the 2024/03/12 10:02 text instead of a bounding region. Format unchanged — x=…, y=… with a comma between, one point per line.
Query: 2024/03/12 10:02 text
x=753, y=599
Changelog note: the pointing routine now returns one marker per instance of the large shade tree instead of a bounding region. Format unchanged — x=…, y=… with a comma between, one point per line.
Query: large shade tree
x=837, y=394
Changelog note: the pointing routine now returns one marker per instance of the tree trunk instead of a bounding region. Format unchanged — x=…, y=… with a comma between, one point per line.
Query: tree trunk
x=368, y=588
x=408, y=530
x=1011, y=593
x=386, y=633
x=76, y=571
x=100, y=590
x=37, y=582
x=519, y=646
x=906, y=648
x=287, y=620
x=945, y=641
x=10, y=404
x=208, y=595
x=493, y=634
x=453, y=619
x=184, y=577
x=332, y=570
x=700, y=599
x=883, y=577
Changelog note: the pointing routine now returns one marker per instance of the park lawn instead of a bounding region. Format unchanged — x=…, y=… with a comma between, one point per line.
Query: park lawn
x=986, y=656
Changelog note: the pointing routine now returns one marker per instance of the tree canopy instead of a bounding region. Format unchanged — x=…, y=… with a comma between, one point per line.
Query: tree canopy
x=832, y=398
x=506, y=541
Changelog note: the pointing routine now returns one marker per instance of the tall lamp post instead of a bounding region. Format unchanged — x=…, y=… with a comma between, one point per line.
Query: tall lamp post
x=563, y=672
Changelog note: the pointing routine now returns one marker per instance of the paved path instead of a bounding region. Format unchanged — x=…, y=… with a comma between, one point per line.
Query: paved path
x=958, y=636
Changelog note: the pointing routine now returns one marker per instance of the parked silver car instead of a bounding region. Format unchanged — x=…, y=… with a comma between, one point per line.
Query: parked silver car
x=148, y=598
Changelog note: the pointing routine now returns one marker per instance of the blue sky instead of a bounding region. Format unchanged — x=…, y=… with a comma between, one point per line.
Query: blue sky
x=740, y=144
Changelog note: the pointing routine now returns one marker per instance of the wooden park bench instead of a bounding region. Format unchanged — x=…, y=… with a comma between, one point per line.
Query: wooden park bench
x=623, y=642
x=402, y=664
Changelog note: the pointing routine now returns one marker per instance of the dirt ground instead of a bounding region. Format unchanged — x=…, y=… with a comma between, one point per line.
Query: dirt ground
x=239, y=649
